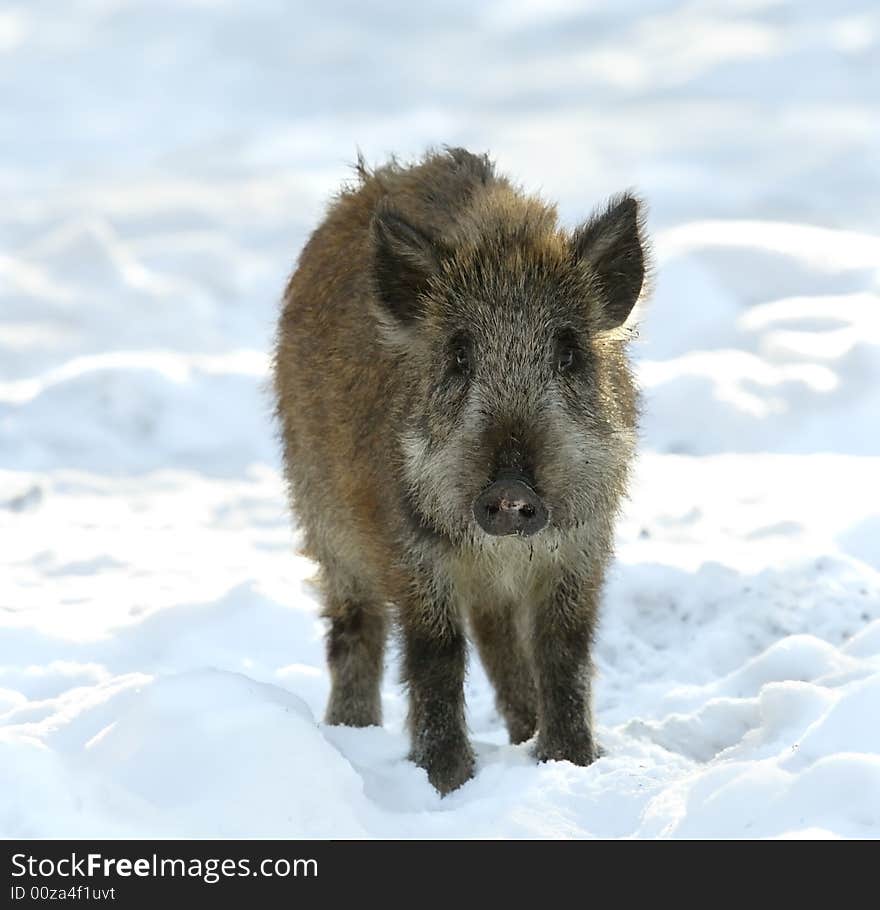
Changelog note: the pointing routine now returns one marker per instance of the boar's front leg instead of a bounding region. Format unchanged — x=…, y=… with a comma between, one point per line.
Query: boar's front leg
x=433, y=666
x=563, y=631
x=355, y=647
x=507, y=665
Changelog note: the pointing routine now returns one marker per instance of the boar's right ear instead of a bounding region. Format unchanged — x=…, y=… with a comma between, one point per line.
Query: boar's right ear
x=611, y=244
x=404, y=258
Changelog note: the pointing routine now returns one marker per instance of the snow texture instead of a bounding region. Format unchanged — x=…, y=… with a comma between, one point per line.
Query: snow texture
x=161, y=658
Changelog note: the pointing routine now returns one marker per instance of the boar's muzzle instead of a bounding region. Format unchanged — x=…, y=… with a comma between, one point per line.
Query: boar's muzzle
x=510, y=506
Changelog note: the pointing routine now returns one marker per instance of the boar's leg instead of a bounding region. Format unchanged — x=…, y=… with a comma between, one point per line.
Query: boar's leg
x=562, y=635
x=355, y=648
x=434, y=659
x=509, y=669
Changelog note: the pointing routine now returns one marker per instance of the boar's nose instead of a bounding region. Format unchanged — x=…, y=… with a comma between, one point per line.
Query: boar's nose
x=510, y=506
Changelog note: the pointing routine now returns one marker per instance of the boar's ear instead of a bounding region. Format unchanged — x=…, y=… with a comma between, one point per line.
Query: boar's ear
x=403, y=260
x=611, y=244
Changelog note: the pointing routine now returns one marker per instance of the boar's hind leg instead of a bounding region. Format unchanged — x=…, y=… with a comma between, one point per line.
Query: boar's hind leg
x=509, y=669
x=562, y=635
x=355, y=648
x=433, y=668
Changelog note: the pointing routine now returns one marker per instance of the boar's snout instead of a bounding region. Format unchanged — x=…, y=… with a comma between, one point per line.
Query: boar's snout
x=510, y=506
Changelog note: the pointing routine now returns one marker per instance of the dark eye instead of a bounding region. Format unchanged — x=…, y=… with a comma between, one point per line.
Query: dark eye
x=567, y=354
x=460, y=354
x=564, y=359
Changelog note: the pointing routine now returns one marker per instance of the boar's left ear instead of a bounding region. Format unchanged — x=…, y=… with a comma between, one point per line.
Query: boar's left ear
x=404, y=259
x=610, y=242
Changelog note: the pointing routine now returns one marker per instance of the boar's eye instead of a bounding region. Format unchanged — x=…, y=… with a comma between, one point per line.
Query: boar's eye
x=566, y=353
x=565, y=359
x=462, y=359
x=460, y=355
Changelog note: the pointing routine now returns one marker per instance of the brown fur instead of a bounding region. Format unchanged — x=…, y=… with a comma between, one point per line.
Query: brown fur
x=386, y=445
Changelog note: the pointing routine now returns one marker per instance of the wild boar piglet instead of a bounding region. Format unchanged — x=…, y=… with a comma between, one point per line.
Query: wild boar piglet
x=458, y=421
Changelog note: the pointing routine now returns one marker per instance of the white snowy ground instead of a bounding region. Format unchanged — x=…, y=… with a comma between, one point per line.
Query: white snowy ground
x=161, y=664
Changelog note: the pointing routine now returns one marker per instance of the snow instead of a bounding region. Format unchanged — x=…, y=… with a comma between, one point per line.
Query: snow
x=161, y=659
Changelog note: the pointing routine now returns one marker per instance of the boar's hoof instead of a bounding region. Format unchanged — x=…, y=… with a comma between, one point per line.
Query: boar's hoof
x=447, y=768
x=578, y=749
x=352, y=716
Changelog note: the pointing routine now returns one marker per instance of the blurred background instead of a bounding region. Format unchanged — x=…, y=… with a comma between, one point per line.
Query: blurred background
x=162, y=164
